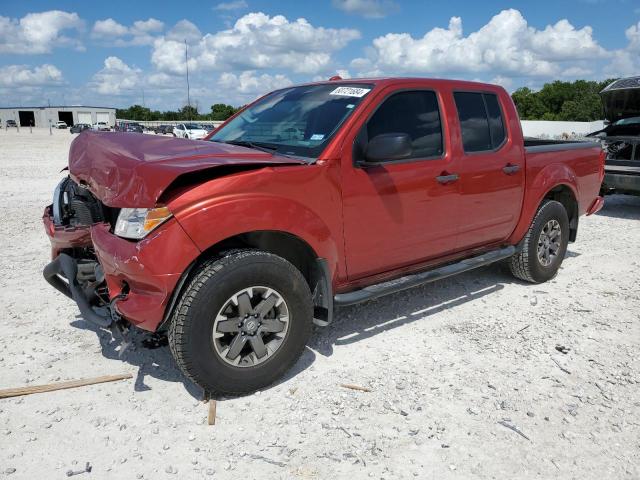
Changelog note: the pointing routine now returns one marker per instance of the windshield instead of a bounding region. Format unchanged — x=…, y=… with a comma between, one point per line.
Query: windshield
x=295, y=121
x=628, y=121
x=192, y=126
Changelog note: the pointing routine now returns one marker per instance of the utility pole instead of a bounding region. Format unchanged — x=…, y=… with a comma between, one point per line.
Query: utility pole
x=186, y=61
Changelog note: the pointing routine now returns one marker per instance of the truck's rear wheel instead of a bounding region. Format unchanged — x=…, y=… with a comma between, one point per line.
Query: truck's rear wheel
x=242, y=322
x=544, y=246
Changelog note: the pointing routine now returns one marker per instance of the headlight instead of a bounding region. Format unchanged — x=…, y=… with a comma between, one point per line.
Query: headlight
x=137, y=223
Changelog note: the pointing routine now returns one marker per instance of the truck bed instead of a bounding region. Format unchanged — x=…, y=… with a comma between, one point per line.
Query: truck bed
x=542, y=145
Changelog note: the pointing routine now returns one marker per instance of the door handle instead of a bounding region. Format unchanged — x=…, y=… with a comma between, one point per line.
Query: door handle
x=510, y=169
x=447, y=178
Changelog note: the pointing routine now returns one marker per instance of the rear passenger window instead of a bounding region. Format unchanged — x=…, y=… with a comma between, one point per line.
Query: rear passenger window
x=481, y=121
x=415, y=113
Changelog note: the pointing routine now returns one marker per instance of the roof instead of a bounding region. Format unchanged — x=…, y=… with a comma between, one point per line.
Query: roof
x=408, y=80
x=64, y=107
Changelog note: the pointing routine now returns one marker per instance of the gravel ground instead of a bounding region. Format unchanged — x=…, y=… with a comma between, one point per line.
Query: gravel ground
x=446, y=364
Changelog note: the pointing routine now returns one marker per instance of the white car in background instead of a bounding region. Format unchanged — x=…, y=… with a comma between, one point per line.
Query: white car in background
x=191, y=131
x=60, y=124
x=101, y=127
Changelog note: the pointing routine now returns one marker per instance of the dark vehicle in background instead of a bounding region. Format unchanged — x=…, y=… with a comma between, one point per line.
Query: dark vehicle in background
x=163, y=129
x=621, y=138
x=129, y=127
x=12, y=124
x=79, y=127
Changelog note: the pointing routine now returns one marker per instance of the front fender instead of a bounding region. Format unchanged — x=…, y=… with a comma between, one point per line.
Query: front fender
x=220, y=218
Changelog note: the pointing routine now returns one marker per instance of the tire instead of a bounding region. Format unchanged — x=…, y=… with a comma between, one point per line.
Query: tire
x=528, y=265
x=213, y=286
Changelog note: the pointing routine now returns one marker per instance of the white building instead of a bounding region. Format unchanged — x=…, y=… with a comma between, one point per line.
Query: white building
x=43, y=116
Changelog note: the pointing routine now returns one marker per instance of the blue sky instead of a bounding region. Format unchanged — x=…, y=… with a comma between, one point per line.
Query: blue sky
x=114, y=52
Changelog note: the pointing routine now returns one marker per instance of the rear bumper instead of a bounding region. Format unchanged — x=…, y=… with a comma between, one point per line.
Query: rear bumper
x=596, y=206
x=622, y=182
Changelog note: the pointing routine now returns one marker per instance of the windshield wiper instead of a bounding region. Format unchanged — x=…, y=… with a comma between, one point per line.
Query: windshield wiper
x=257, y=146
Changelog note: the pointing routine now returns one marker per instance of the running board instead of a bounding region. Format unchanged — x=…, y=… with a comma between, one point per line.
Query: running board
x=410, y=281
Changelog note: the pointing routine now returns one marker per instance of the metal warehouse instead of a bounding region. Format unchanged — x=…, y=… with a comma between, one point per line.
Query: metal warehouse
x=43, y=116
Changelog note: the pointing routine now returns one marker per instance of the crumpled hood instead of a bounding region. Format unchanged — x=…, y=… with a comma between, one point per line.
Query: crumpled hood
x=132, y=170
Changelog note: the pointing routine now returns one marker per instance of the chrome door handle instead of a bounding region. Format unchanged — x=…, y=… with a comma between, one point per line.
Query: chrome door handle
x=445, y=179
x=510, y=169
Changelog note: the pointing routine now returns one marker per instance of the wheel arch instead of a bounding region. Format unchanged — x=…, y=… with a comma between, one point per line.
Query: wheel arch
x=291, y=247
x=554, y=182
x=564, y=194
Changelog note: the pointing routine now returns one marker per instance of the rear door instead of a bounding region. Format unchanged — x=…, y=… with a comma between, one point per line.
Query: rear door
x=397, y=213
x=491, y=169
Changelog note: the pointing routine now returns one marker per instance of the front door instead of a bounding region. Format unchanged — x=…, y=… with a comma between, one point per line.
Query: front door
x=399, y=212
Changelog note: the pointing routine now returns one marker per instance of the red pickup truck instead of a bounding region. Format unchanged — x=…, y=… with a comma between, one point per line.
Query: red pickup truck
x=314, y=196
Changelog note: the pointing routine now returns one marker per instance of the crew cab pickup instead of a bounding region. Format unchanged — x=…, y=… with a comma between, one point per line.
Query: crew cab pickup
x=314, y=196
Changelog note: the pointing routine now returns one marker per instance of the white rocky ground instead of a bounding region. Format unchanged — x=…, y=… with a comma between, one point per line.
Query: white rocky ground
x=446, y=363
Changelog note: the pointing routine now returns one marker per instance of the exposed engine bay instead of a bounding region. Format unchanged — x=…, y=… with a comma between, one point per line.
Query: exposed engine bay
x=76, y=271
x=621, y=137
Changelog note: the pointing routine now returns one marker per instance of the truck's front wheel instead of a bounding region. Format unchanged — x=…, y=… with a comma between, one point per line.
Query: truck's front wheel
x=242, y=322
x=544, y=246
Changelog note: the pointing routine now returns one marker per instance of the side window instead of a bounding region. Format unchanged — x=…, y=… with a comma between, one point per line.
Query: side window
x=495, y=120
x=415, y=113
x=480, y=120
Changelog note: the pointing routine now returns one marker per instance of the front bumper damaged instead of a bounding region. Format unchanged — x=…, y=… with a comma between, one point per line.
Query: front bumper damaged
x=138, y=279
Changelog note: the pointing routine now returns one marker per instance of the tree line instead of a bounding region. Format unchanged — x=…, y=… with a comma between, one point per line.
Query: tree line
x=577, y=101
x=219, y=111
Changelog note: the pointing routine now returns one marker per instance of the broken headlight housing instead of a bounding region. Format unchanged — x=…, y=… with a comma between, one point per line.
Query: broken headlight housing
x=137, y=223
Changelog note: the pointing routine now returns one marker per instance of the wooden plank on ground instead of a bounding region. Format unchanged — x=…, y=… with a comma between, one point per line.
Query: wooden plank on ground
x=17, y=392
x=212, y=412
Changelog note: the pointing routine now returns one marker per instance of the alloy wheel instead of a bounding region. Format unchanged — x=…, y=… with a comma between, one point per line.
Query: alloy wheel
x=549, y=242
x=251, y=326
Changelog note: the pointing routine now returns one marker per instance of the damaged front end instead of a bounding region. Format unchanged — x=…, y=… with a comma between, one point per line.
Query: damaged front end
x=75, y=270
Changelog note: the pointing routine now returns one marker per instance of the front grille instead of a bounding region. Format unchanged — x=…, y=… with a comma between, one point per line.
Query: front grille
x=76, y=206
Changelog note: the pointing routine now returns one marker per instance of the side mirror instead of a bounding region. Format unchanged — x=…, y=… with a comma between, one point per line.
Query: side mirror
x=388, y=146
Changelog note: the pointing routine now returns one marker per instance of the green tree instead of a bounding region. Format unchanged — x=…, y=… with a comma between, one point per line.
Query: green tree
x=189, y=112
x=222, y=111
x=558, y=100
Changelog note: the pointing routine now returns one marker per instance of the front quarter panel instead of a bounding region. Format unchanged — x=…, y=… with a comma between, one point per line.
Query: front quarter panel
x=302, y=200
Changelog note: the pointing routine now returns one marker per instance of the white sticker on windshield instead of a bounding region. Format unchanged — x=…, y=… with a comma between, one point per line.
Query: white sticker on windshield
x=350, y=91
x=317, y=136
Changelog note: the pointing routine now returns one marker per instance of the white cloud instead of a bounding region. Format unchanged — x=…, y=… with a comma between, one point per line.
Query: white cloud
x=184, y=30
x=108, y=28
x=505, y=46
x=38, y=33
x=248, y=83
x=633, y=35
x=256, y=41
x=626, y=62
x=367, y=8
x=233, y=5
x=23, y=76
x=116, y=78
x=142, y=32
